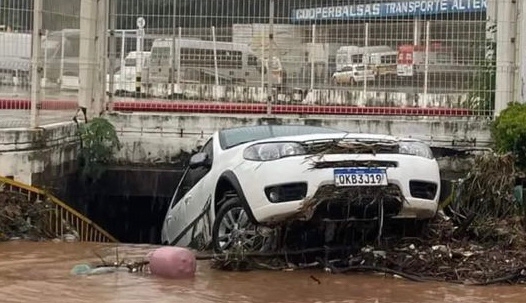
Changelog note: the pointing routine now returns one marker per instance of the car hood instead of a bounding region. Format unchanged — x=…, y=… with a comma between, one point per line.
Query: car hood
x=342, y=135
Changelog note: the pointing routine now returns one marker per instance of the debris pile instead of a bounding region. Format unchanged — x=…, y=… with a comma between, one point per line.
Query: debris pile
x=21, y=218
x=107, y=266
x=478, y=237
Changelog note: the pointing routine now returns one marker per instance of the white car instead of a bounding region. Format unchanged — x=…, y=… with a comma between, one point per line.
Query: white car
x=246, y=180
x=352, y=74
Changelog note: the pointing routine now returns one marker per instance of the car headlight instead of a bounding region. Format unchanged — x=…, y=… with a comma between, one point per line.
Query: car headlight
x=273, y=151
x=416, y=148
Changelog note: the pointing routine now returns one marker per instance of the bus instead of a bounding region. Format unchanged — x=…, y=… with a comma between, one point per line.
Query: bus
x=236, y=63
x=383, y=63
x=352, y=55
x=411, y=60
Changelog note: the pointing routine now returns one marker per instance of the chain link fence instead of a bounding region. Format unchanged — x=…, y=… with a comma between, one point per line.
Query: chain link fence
x=57, y=59
x=421, y=54
x=303, y=57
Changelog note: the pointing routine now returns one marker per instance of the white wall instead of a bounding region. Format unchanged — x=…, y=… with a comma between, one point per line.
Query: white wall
x=160, y=138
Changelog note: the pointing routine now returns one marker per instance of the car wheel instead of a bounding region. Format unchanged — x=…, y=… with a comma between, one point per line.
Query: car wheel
x=234, y=230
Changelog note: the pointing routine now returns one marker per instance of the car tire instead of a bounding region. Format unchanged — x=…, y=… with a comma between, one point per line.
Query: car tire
x=233, y=225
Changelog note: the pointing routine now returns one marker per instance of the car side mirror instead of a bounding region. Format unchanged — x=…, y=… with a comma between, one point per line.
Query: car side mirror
x=198, y=160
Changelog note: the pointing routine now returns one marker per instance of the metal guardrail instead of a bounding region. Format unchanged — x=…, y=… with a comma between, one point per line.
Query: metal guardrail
x=62, y=218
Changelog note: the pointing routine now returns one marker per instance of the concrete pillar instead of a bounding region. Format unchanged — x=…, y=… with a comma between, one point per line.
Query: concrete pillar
x=506, y=64
x=36, y=64
x=92, y=57
x=520, y=88
x=102, y=56
x=112, y=9
x=87, y=56
x=491, y=20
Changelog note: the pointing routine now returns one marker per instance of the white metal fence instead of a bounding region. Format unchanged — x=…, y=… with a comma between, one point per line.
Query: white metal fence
x=439, y=57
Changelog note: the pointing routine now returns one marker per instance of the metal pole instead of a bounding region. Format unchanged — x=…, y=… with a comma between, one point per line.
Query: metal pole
x=263, y=65
x=365, y=71
x=312, y=57
x=174, y=61
x=113, y=52
x=416, y=31
x=45, y=55
x=35, y=64
x=179, y=34
x=62, y=53
x=426, y=64
x=139, y=62
x=123, y=56
x=270, y=55
x=216, y=72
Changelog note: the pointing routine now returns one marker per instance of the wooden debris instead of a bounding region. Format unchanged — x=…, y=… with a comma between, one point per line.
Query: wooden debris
x=477, y=239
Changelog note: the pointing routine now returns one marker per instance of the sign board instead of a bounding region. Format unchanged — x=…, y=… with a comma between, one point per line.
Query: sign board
x=389, y=9
x=141, y=23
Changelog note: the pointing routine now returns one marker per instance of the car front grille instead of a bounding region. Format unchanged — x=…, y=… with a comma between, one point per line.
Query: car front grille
x=342, y=146
x=353, y=163
x=357, y=202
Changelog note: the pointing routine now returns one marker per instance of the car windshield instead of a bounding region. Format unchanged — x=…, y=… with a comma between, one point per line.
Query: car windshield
x=231, y=137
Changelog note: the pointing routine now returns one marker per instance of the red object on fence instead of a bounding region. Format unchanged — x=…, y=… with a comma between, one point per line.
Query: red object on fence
x=242, y=108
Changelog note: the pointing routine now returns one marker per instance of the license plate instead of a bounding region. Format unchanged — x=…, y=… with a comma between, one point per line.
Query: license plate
x=360, y=177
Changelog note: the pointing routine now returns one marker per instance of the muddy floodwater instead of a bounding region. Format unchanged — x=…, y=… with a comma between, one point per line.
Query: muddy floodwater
x=40, y=272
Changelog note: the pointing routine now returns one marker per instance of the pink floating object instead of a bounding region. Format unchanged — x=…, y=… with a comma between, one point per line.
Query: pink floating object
x=172, y=262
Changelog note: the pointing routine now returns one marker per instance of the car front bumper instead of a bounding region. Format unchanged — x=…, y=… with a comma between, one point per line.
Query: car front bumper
x=255, y=176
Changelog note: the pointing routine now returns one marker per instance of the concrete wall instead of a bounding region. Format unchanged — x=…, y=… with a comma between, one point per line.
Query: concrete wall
x=37, y=156
x=34, y=155
x=160, y=138
x=355, y=97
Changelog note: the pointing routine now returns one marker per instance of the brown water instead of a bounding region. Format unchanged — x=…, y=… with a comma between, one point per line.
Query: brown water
x=40, y=272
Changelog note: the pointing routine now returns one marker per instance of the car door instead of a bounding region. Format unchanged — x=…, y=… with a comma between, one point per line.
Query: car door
x=198, y=207
x=187, y=201
x=174, y=221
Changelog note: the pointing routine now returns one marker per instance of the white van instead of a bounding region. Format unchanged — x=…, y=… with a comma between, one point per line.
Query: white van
x=383, y=63
x=125, y=79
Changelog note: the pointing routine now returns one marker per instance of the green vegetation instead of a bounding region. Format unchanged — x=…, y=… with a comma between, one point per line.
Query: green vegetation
x=509, y=132
x=99, y=142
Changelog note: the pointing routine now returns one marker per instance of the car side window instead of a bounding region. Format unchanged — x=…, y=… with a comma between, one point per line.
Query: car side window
x=192, y=176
